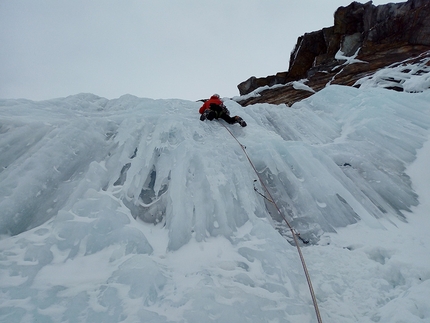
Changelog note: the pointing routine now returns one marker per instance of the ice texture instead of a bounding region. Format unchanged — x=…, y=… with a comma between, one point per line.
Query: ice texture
x=133, y=210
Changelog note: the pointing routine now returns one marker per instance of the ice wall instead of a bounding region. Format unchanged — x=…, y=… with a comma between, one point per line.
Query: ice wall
x=328, y=161
x=340, y=155
x=133, y=209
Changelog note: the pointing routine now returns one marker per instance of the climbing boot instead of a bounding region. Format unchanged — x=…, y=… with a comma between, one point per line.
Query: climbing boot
x=240, y=121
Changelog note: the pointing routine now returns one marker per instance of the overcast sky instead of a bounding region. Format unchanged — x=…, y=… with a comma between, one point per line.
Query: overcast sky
x=187, y=49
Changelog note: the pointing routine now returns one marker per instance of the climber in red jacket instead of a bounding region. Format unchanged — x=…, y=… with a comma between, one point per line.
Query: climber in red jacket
x=214, y=108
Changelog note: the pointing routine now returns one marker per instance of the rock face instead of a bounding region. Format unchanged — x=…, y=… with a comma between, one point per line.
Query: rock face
x=364, y=38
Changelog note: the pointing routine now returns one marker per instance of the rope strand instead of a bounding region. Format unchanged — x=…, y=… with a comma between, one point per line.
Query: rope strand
x=295, y=235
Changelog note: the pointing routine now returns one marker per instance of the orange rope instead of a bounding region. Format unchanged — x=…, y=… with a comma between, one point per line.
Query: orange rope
x=302, y=259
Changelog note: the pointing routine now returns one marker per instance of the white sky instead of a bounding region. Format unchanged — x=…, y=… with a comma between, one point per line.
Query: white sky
x=187, y=49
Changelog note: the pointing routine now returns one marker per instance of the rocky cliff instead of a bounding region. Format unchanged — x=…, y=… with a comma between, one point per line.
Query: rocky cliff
x=364, y=39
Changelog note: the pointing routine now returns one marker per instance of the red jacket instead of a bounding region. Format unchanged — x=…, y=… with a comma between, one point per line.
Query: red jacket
x=206, y=105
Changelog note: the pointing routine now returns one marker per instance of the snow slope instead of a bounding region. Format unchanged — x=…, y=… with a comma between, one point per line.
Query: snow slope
x=132, y=210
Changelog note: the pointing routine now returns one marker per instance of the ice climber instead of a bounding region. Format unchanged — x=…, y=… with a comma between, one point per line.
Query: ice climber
x=214, y=108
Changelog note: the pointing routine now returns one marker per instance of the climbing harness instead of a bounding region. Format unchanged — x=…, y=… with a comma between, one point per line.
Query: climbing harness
x=295, y=235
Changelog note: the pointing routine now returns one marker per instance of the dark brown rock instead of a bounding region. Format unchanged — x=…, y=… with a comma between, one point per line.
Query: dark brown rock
x=378, y=35
x=308, y=47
